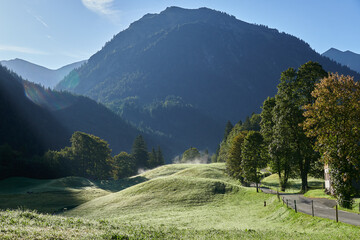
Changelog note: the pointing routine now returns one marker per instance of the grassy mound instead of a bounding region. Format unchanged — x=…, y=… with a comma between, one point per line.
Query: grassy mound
x=173, y=185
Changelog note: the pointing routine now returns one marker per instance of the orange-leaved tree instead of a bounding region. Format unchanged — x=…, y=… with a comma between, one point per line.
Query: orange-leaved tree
x=334, y=120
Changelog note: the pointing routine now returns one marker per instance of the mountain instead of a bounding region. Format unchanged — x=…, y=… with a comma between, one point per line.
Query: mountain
x=79, y=113
x=25, y=126
x=221, y=68
x=39, y=74
x=347, y=58
x=34, y=120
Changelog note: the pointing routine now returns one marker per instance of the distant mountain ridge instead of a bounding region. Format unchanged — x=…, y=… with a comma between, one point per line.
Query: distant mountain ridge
x=35, y=119
x=218, y=66
x=39, y=74
x=346, y=58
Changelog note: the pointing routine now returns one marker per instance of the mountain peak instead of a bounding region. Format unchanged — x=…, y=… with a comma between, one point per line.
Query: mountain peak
x=346, y=58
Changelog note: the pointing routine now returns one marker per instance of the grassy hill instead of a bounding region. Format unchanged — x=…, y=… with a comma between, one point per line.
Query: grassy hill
x=47, y=196
x=176, y=201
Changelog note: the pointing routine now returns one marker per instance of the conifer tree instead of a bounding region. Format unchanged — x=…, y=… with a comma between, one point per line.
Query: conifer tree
x=160, y=157
x=139, y=152
x=228, y=129
x=153, y=159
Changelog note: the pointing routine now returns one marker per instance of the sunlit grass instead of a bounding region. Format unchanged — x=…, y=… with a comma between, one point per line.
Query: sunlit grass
x=175, y=202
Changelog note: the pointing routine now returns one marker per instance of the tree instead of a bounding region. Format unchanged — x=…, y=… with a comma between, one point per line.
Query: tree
x=267, y=122
x=233, y=163
x=228, y=129
x=333, y=119
x=91, y=154
x=160, y=157
x=252, y=123
x=124, y=165
x=274, y=152
x=190, y=154
x=139, y=152
x=153, y=159
x=252, y=157
x=289, y=143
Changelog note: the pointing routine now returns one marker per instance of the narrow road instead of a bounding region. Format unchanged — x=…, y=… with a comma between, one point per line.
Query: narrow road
x=322, y=207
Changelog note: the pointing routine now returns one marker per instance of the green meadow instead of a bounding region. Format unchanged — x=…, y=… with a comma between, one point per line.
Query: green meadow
x=179, y=201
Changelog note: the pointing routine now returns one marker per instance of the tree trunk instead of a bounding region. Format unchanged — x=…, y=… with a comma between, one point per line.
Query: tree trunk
x=304, y=182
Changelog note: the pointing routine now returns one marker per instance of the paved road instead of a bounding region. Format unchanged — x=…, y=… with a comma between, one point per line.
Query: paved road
x=322, y=207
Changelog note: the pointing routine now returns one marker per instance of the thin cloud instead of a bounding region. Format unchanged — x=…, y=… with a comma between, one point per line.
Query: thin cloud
x=18, y=49
x=103, y=7
x=40, y=20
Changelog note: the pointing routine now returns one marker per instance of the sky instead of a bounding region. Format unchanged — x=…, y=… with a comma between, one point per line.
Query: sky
x=53, y=33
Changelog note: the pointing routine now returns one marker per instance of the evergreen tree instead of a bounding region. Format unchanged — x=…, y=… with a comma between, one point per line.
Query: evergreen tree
x=160, y=157
x=139, y=152
x=228, y=129
x=153, y=159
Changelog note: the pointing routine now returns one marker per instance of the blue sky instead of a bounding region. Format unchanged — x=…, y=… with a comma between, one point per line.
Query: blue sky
x=53, y=33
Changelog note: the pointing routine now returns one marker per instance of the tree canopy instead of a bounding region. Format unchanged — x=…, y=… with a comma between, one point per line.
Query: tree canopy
x=333, y=119
x=190, y=154
x=286, y=140
x=253, y=160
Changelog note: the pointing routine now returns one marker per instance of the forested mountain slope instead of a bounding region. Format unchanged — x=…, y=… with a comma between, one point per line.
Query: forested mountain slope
x=35, y=119
x=220, y=67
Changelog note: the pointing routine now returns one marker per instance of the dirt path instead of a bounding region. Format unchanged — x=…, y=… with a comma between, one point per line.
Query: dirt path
x=322, y=207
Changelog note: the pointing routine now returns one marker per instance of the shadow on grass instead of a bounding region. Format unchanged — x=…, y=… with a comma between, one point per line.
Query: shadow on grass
x=58, y=201
x=46, y=202
x=293, y=186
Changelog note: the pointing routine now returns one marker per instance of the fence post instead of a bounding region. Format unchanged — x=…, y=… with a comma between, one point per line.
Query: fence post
x=283, y=200
x=287, y=203
x=295, y=206
x=278, y=195
x=312, y=207
x=359, y=207
x=337, y=214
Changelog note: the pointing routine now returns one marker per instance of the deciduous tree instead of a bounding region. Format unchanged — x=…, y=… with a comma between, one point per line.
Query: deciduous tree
x=289, y=144
x=333, y=119
x=253, y=160
x=233, y=163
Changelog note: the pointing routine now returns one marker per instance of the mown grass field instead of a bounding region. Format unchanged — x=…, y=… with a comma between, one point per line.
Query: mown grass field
x=174, y=202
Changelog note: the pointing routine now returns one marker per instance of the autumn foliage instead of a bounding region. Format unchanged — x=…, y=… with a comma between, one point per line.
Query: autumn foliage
x=333, y=119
